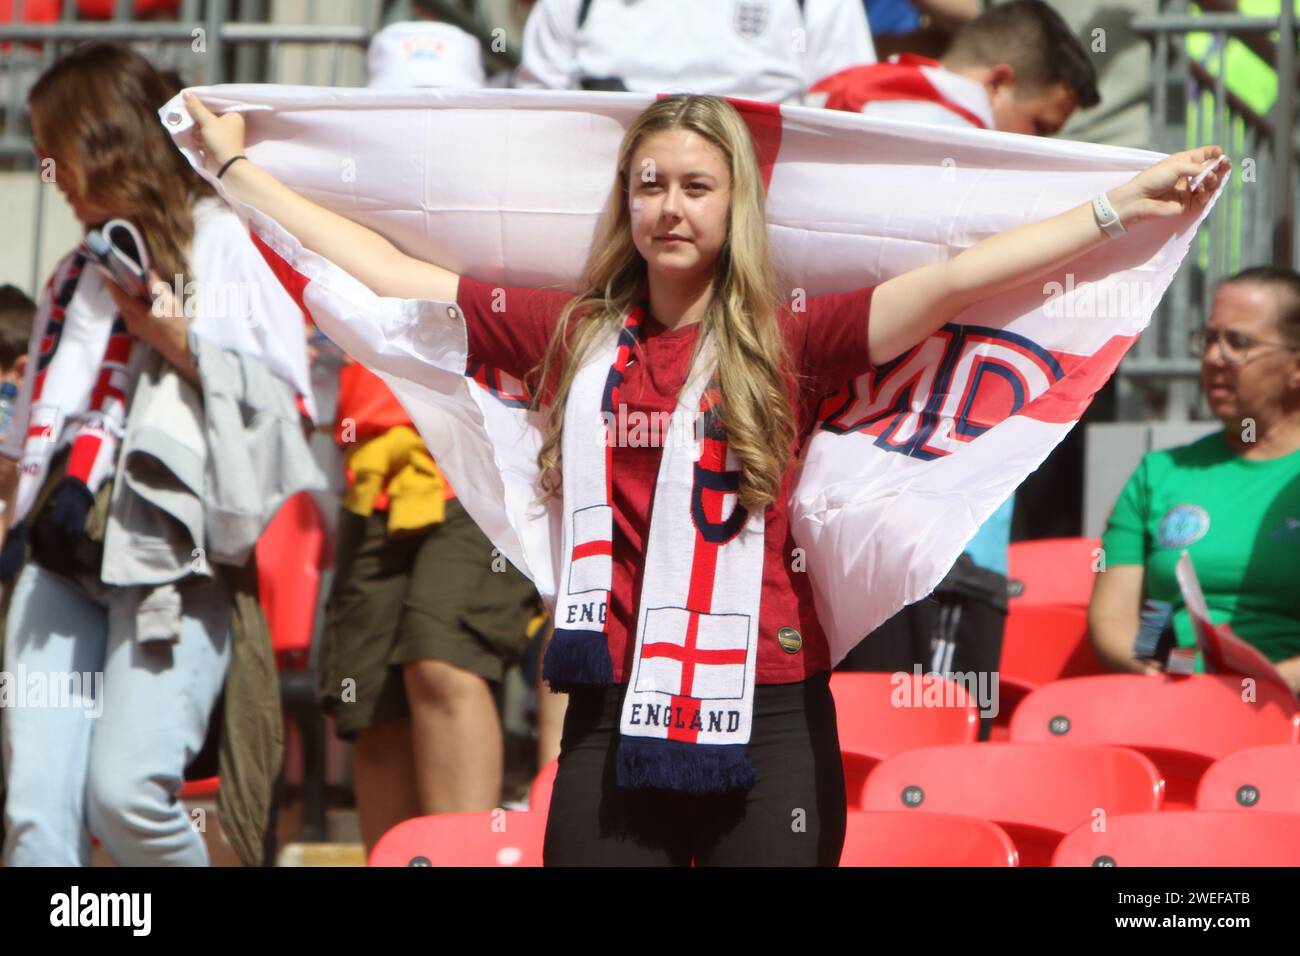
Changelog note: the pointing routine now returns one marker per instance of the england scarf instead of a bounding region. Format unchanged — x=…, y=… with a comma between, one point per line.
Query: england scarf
x=688, y=709
x=84, y=367
x=905, y=463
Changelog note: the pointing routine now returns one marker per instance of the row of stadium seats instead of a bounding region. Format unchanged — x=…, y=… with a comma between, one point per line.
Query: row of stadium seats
x=899, y=838
x=1100, y=769
x=1195, y=731
x=1183, y=724
x=1088, y=751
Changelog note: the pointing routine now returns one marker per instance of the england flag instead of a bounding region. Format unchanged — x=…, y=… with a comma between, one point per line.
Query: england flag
x=906, y=462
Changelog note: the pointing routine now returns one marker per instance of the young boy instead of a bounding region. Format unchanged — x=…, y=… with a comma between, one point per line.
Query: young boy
x=1017, y=67
x=17, y=314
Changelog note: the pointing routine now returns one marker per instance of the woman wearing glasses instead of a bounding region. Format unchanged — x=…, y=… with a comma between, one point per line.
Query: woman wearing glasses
x=1231, y=499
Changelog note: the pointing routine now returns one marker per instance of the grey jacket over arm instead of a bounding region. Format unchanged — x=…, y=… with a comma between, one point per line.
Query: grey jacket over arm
x=200, y=475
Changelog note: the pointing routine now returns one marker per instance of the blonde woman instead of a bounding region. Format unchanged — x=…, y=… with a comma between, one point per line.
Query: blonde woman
x=682, y=315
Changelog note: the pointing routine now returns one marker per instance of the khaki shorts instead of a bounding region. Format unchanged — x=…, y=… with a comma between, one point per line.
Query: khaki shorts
x=440, y=595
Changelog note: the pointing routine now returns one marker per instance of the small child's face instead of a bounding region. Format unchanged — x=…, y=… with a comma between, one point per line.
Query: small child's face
x=14, y=373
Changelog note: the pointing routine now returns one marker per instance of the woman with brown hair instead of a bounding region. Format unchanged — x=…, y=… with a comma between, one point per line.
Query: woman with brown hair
x=146, y=661
x=674, y=581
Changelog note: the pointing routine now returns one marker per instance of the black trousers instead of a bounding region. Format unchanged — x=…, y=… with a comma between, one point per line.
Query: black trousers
x=794, y=815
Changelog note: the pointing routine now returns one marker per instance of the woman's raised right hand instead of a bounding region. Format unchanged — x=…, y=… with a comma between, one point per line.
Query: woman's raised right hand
x=223, y=136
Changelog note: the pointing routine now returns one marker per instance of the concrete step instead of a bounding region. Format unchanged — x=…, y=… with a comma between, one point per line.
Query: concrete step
x=322, y=854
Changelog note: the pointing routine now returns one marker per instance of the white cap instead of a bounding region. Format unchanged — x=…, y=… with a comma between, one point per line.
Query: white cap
x=425, y=53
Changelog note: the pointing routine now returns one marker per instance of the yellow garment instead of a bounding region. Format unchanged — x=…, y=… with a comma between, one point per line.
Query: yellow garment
x=536, y=623
x=397, y=463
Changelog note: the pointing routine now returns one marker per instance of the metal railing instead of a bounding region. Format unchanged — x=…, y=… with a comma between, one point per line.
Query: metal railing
x=1254, y=222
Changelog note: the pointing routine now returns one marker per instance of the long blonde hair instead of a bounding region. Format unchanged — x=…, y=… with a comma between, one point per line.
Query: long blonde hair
x=740, y=322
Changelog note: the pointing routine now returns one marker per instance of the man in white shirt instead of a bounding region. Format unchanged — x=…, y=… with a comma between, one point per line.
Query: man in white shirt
x=769, y=50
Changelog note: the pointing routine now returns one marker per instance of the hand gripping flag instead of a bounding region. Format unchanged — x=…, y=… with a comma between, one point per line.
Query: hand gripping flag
x=907, y=461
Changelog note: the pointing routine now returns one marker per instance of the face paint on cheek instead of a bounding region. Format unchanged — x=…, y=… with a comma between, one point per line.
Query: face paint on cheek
x=635, y=207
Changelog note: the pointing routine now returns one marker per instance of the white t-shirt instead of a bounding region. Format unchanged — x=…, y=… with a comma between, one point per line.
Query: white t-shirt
x=751, y=49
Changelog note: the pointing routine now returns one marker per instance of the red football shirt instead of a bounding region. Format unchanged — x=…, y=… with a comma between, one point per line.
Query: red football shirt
x=827, y=344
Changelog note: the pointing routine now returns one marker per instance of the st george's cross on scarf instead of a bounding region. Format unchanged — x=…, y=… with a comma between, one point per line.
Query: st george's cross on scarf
x=906, y=462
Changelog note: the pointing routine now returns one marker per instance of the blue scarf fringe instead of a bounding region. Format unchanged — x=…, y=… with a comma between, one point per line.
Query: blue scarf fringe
x=577, y=659
x=651, y=763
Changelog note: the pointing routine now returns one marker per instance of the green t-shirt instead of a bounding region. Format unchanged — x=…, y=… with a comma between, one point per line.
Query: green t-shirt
x=1240, y=522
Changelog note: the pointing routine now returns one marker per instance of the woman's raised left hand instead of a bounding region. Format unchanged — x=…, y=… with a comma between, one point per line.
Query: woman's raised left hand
x=1165, y=189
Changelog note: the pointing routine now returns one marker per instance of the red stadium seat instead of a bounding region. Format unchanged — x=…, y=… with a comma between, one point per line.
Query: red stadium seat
x=1186, y=838
x=1056, y=571
x=1259, y=779
x=290, y=555
x=539, y=794
x=493, y=838
x=1036, y=792
x=900, y=838
x=1040, y=644
x=880, y=714
x=1184, y=724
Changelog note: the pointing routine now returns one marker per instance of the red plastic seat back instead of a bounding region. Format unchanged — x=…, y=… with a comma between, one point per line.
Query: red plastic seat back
x=880, y=714
x=1056, y=571
x=899, y=838
x=1043, y=643
x=1259, y=779
x=1186, y=838
x=492, y=838
x=539, y=794
x=290, y=554
x=1182, y=723
x=1036, y=792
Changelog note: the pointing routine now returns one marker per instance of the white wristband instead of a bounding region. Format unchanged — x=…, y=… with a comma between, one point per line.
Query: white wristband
x=1107, y=217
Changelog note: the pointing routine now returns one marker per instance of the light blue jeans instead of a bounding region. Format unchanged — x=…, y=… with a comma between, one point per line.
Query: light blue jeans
x=110, y=762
